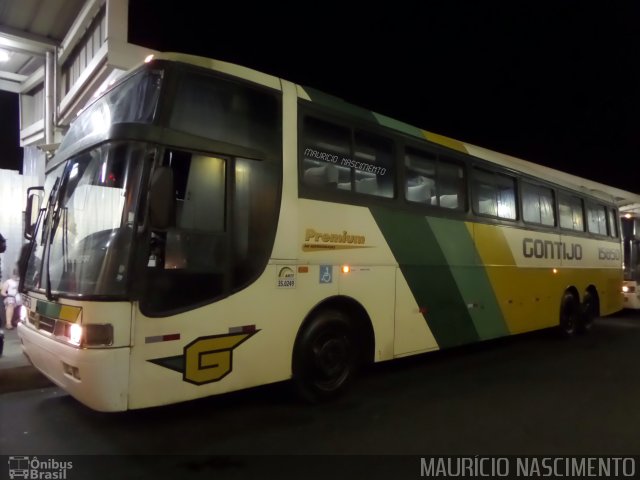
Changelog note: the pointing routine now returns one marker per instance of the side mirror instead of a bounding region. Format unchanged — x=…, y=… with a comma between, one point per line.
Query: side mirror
x=35, y=196
x=162, y=202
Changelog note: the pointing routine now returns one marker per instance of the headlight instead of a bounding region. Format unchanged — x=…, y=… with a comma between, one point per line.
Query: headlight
x=90, y=335
x=75, y=334
x=625, y=289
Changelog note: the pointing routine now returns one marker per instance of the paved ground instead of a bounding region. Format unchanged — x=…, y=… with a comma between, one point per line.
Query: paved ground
x=16, y=373
x=531, y=394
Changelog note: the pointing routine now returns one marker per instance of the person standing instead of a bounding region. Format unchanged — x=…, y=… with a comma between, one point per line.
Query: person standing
x=3, y=248
x=10, y=295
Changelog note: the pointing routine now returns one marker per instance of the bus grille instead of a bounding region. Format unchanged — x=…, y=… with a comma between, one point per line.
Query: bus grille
x=41, y=322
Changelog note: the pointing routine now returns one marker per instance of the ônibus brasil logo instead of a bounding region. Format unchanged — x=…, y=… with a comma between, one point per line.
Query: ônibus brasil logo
x=40, y=469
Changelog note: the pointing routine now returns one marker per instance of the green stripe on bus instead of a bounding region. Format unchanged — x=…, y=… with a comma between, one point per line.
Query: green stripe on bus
x=48, y=309
x=428, y=274
x=470, y=277
x=399, y=126
x=338, y=104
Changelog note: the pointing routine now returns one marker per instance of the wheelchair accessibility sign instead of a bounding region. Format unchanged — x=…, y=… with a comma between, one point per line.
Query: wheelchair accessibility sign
x=326, y=273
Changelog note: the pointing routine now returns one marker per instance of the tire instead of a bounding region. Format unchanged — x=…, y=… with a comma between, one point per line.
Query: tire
x=589, y=311
x=569, y=315
x=326, y=356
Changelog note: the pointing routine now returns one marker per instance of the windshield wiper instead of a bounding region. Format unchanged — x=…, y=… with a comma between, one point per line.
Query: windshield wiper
x=53, y=216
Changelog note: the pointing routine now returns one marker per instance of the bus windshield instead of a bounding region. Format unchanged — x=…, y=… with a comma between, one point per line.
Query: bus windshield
x=84, y=243
x=91, y=224
x=132, y=101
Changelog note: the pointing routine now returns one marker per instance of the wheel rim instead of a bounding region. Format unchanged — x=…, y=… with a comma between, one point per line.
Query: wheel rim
x=332, y=359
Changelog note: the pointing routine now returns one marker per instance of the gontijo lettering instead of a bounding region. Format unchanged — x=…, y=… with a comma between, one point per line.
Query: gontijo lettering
x=536, y=248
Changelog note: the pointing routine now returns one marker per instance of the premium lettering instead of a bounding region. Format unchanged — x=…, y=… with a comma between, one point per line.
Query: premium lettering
x=344, y=237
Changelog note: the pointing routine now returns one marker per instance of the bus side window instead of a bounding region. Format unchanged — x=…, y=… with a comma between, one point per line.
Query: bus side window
x=451, y=184
x=188, y=257
x=612, y=217
x=597, y=219
x=571, y=212
x=325, y=145
x=494, y=194
x=433, y=180
x=330, y=159
x=373, y=166
x=538, y=204
x=420, y=170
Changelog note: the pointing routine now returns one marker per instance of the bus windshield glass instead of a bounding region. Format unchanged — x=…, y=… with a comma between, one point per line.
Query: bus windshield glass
x=133, y=101
x=91, y=222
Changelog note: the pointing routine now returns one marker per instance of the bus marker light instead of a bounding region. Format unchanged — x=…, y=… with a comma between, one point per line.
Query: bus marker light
x=555, y=270
x=625, y=289
x=303, y=269
x=346, y=269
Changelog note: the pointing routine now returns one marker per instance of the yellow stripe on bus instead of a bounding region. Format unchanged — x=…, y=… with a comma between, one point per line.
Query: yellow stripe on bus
x=69, y=313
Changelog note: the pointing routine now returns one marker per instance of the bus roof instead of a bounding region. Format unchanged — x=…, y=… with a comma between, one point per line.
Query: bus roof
x=608, y=193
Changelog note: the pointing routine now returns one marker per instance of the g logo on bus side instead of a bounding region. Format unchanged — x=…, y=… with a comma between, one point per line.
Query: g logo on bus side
x=206, y=359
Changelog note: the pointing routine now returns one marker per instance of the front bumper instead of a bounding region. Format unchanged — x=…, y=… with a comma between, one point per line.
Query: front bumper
x=99, y=378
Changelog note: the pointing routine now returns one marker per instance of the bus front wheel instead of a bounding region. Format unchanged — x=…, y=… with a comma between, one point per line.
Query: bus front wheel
x=325, y=358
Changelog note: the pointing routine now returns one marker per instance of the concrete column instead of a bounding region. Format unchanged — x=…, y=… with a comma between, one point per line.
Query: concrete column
x=49, y=86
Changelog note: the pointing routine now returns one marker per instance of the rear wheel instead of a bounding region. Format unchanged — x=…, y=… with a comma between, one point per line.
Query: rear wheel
x=326, y=356
x=569, y=315
x=589, y=312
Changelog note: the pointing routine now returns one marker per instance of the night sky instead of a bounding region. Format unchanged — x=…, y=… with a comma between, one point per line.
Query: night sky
x=10, y=151
x=556, y=83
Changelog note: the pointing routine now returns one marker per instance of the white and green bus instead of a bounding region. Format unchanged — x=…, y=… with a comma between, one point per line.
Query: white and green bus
x=210, y=228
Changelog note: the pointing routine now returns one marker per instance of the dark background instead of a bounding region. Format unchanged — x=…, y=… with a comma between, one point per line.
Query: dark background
x=556, y=83
x=10, y=151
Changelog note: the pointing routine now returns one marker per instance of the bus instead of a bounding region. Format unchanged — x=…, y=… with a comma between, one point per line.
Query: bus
x=205, y=228
x=631, y=251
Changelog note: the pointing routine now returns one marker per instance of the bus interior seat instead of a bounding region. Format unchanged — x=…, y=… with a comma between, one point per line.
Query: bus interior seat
x=420, y=190
x=367, y=185
x=417, y=193
x=322, y=176
x=487, y=207
x=449, y=201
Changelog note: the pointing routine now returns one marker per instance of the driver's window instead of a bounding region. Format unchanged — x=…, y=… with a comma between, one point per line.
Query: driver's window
x=188, y=261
